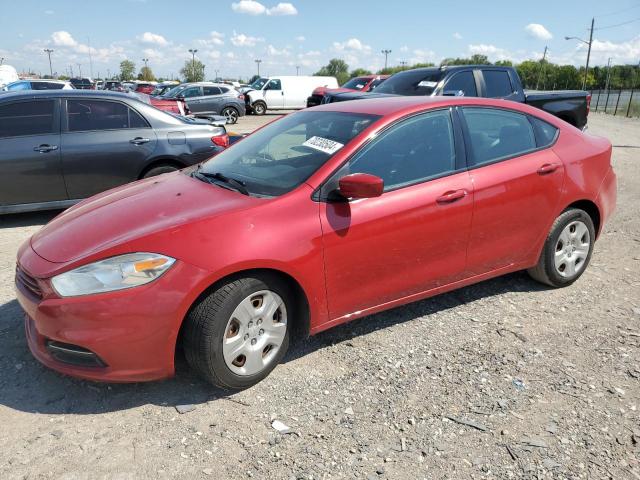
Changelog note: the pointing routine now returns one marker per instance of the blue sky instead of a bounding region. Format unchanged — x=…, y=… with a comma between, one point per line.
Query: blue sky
x=230, y=34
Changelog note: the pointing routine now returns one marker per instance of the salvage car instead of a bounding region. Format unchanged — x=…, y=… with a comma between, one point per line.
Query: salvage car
x=60, y=146
x=207, y=98
x=488, y=81
x=319, y=218
x=363, y=83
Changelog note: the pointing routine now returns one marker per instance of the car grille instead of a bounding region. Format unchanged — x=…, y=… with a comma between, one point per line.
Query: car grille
x=28, y=283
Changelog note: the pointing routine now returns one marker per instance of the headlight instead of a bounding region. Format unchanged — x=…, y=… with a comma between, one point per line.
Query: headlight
x=116, y=273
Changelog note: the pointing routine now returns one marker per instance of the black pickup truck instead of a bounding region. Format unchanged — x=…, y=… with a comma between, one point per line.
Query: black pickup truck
x=477, y=81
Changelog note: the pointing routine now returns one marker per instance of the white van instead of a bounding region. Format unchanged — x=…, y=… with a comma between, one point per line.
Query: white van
x=285, y=92
x=8, y=74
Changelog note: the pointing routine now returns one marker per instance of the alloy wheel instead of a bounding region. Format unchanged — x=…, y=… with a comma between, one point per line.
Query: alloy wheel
x=572, y=249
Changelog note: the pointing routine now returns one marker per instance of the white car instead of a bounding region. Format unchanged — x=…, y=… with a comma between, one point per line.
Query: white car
x=38, y=84
x=284, y=92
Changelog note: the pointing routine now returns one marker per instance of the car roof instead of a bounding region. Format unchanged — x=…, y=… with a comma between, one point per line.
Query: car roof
x=24, y=94
x=399, y=105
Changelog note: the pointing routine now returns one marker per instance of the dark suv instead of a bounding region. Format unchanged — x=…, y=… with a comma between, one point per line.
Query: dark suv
x=83, y=83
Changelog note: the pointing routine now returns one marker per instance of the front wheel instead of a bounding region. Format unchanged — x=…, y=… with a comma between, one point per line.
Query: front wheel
x=236, y=335
x=567, y=250
x=259, y=108
x=159, y=170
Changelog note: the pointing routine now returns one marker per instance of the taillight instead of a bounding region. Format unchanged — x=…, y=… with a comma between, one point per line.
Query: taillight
x=221, y=140
x=588, y=103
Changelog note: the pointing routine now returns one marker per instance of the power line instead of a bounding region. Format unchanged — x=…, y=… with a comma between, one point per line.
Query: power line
x=617, y=12
x=618, y=24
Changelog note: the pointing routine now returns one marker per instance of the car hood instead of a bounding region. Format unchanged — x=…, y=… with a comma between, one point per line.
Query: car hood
x=133, y=211
x=324, y=90
x=355, y=95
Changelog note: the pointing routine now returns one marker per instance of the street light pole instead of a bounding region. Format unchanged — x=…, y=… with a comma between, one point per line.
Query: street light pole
x=386, y=54
x=49, y=51
x=544, y=56
x=589, y=43
x=297, y=70
x=79, y=70
x=258, y=62
x=193, y=51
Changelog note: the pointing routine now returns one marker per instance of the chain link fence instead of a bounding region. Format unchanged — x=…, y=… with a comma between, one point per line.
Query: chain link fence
x=616, y=101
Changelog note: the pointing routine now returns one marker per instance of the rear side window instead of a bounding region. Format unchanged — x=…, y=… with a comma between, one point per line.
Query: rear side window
x=211, y=90
x=497, y=134
x=85, y=115
x=191, y=92
x=462, y=82
x=26, y=118
x=224, y=90
x=545, y=133
x=497, y=83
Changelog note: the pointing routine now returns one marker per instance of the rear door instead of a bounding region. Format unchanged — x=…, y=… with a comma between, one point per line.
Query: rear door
x=30, y=152
x=497, y=83
x=517, y=186
x=105, y=143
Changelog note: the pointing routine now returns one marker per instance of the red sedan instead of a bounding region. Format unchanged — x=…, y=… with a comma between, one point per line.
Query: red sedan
x=365, y=83
x=319, y=218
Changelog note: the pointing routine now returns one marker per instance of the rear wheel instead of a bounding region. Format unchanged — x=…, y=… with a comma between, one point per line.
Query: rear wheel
x=259, y=108
x=159, y=170
x=239, y=333
x=567, y=250
x=231, y=114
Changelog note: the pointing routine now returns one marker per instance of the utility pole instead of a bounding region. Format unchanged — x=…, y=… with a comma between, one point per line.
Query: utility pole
x=258, y=62
x=49, y=51
x=297, y=70
x=403, y=64
x=79, y=69
x=90, y=60
x=606, y=87
x=544, y=56
x=108, y=74
x=589, y=43
x=1, y=60
x=386, y=54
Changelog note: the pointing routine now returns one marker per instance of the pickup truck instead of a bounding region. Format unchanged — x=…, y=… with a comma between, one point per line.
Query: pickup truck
x=477, y=81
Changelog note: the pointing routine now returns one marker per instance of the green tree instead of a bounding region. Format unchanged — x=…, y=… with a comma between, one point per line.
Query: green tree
x=392, y=70
x=335, y=68
x=504, y=63
x=127, y=70
x=146, y=74
x=473, y=60
x=359, y=72
x=193, y=71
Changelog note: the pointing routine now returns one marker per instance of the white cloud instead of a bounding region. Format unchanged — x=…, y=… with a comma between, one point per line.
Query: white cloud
x=242, y=40
x=271, y=50
x=404, y=49
x=250, y=7
x=538, y=31
x=457, y=36
x=621, y=53
x=352, y=44
x=491, y=51
x=300, y=38
x=216, y=38
x=422, y=56
x=63, y=39
x=213, y=54
x=152, y=38
x=282, y=9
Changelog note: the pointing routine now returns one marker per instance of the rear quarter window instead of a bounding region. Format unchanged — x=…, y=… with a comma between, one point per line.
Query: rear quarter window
x=545, y=133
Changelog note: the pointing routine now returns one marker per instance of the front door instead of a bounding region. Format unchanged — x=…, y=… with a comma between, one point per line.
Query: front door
x=30, y=153
x=104, y=144
x=412, y=238
x=273, y=94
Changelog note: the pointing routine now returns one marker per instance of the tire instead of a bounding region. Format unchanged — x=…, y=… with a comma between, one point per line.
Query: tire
x=565, y=254
x=259, y=108
x=229, y=342
x=159, y=170
x=231, y=114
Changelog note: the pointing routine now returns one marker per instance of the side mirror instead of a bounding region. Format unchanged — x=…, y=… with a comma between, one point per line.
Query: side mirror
x=360, y=185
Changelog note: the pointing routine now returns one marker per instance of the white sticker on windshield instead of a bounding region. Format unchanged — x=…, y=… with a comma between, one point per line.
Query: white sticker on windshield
x=323, y=144
x=428, y=84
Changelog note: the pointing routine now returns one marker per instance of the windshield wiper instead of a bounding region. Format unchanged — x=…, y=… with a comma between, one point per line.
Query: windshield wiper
x=237, y=185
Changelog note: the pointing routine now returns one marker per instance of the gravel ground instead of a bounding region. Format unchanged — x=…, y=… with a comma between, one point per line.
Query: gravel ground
x=504, y=379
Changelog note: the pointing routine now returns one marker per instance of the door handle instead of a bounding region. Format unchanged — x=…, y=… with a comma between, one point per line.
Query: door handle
x=548, y=168
x=44, y=148
x=451, y=196
x=139, y=140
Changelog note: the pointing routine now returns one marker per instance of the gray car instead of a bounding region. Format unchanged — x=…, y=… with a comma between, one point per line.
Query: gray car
x=207, y=98
x=60, y=146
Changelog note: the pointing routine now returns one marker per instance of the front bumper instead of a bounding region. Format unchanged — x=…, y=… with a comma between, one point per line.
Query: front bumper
x=132, y=333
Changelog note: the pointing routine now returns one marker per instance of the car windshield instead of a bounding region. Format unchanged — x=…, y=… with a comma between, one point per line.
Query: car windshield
x=357, y=83
x=282, y=155
x=259, y=83
x=411, y=82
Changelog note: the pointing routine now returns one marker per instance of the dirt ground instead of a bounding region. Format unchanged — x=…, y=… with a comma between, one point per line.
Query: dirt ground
x=504, y=379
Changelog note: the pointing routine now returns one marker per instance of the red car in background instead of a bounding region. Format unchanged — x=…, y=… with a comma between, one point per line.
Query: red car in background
x=363, y=83
x=321, y=217
x=145, y=88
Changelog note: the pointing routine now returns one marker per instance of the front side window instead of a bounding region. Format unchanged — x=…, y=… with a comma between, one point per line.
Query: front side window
x=86, y=115
x=497, y=83
x=412, y=151
x=19, y=86
x=191, y=92
x=357, y=83
x=497, y=134
x=274, y=85
x=282, y=155
x=27, y=118
x=461, y=82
